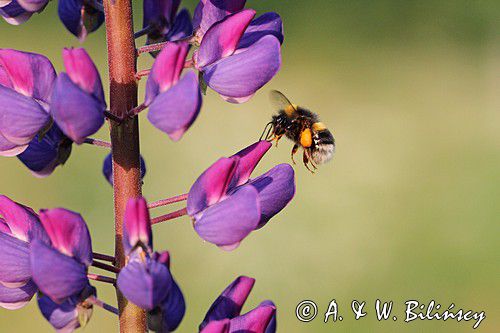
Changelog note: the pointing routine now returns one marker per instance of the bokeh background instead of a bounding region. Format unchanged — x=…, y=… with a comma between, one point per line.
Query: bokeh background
x=408, y=209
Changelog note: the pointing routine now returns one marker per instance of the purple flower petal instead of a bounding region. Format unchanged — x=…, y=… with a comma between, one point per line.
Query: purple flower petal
x=16, y=298
x=32, y=5
x=242, y=74
x=56, y=275
x=20, y=219
x=77, y=113
x=83, y=72
x=255, y=321
x=228, y=222
x=63, y=317
x=182, y=27
x=43, y=156
x=79, y=18
x=221, y=326
x=248, y=160
x=211, y=185
x=107, y=168
x=68, y=233
x=209, y=12
x=276, y=189
x=14, y=14
x=166, y=70
x=21, y=117
x=168, y=315
x=14, y=261
x=159, y=12
x=175, y=110
x=9, y=149
x=266, y=24
x=137, y=225
x=229, y=303
x=146, y=284
x=222, y=38
x=29, y=74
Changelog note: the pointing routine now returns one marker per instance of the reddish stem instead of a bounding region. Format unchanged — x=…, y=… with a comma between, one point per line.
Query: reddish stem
x=97, y=142
x=167, y=201
x=122, y=59
x=169, y=216
x=151, y=47
x=97, y=302
x=105, y=267
x=140, y=74
x=104, y=257
x=101, y=278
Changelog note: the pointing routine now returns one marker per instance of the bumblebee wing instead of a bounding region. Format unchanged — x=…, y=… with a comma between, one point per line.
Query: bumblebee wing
x=280, y=102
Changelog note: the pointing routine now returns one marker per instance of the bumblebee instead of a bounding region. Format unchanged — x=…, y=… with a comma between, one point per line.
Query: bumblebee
x=304, y=128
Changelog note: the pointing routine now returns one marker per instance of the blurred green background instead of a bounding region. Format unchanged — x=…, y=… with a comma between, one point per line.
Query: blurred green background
x=408, y=209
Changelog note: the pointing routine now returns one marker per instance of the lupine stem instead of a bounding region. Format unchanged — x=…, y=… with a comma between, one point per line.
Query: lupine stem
x=169, y=216
x=168, y=201
x=104, y=257
x=101, y=278
x=97, y=302
x=122, y=61
x=105, y=267
x=97, y=142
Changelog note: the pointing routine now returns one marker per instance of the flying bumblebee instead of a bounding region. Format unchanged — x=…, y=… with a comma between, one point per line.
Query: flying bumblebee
x=304, y=128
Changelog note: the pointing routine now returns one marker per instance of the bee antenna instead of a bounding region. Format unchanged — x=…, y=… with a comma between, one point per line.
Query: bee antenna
x=266, y=131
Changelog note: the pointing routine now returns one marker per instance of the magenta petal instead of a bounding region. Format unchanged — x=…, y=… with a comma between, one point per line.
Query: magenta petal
x=249, y=158
x=68, y=233
x=56, y=275
x=276, y=189
x=14, y=260
x=30, y=74
x=21, y=117
x=222, y=38
x=175, y=110
x=266, y=24
x=209, y=12
x=221, y=326
x=146, y=284
x=242, y=74
x=77, y=113
x=83, y=72
x=229, y=303
x=211, y=185
x=271, y=327
x=255, y=321
x=16, y=298
x=228, y=222
x=19, y=218
x=137, y=225
x=166, y=70
x=13, y=13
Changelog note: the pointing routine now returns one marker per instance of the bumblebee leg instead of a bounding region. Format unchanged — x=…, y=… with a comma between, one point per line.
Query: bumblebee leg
x=294, y=150
x=277, y=138
x=305, y=159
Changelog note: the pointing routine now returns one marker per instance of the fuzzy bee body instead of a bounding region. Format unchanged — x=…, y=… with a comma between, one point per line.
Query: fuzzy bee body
x=304, y=128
